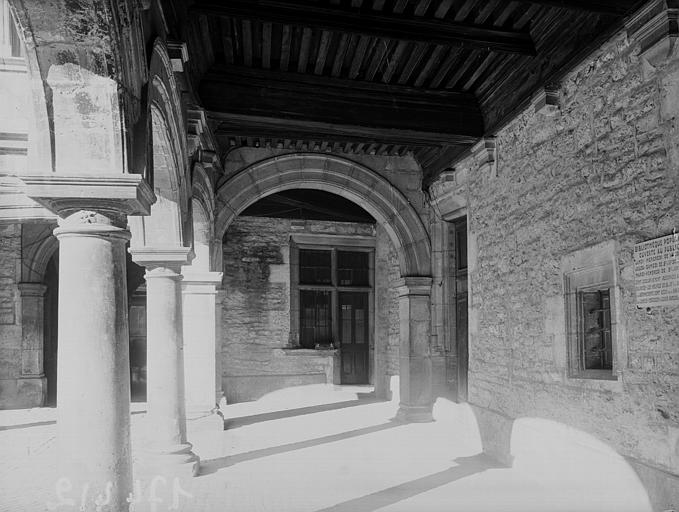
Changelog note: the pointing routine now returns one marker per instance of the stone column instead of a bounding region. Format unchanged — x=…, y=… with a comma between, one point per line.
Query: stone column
x=93, y=369
x=221, y=299
x=93, y=404
x=203, y=389
x=32, y=383
x=166, y=450
x=415, y=366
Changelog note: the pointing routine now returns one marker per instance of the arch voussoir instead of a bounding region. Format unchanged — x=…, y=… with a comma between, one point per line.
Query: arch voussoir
x=343, y=177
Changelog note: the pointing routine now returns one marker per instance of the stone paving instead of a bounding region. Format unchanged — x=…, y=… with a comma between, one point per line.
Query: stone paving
x=322, y=449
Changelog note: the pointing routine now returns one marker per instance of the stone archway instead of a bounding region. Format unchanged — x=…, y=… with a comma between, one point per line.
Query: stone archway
x=38, y=289
x=202, y=353
x=340, y=176
x=161, y=244
x=391, y=209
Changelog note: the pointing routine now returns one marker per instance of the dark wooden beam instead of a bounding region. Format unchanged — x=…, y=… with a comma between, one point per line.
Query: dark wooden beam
x=306, y=205
x=611, y=7
x=367, y=22
x=236, y=125
x=435, y=160
x=273, y=103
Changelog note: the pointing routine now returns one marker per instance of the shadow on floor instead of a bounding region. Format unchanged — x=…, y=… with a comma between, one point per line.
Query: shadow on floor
x=28, y=425
x=466, y=466
x=44, y=423
x=211, y=466
x=241, y=421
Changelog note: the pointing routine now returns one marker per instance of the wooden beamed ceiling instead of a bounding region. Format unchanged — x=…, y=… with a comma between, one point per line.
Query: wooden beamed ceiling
x=251, y=102
x=371, y=23
x=387, y=76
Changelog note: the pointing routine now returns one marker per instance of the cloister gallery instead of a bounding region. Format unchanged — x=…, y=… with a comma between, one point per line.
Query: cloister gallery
x=203, y=203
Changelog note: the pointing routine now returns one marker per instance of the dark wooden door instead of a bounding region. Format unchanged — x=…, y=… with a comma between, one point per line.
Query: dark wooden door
x=457, y=345
x=462, y=343
x=354, y=336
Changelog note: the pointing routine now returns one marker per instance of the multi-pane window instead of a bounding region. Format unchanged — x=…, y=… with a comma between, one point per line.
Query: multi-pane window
x=315, y=267
x=324, y=279
x=315, y=318
x=352, y=268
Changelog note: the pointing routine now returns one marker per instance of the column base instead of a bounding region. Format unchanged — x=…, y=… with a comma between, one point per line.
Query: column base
x=415, y=413
x=211, y=421
x=177, y=461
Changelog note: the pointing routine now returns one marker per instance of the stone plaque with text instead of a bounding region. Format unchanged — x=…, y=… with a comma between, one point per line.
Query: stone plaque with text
x=656, y=272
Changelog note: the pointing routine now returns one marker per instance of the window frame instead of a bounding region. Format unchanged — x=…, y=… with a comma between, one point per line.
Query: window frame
x=11, y=43
x=332, y=243
x=595, y=277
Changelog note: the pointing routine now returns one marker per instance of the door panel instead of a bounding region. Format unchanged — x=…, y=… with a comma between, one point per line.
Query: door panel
x=462, y=347
x=354, y=336
x=457, y=343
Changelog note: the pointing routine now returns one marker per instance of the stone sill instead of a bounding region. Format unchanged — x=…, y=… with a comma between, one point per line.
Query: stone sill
x=613, y=383
x=309, y=352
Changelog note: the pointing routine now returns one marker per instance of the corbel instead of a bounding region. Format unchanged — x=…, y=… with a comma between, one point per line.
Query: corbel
x=655, y=28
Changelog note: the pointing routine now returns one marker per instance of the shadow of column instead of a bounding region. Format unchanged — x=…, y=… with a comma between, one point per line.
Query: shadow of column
x=466, y=466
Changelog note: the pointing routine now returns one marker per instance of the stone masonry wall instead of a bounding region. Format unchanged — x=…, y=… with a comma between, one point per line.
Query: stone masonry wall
x=256, y=307
x=14, y=116
x=602, y=167
x=10, y=315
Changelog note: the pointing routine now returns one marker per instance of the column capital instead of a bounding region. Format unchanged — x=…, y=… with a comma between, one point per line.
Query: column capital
x=169, y=257
x=201, y=282
x=414, y=285
x=32, y=289
x=93, y=223
x=113, y=196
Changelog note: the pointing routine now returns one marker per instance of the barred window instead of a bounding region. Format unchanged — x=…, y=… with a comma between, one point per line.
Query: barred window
x=324, y=277
x=590, y=318
x=595, y=345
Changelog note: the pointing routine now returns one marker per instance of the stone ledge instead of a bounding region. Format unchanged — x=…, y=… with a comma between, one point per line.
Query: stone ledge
x=310, y=352
x=160, y=256
x=202, y=278
x=126, y=194
x=413, y=285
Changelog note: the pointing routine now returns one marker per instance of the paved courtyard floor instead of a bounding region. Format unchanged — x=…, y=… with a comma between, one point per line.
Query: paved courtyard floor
x=333, y=449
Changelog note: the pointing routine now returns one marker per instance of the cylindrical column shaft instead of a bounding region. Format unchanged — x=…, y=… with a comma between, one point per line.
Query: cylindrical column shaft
x=93, y=404
x=165, y=373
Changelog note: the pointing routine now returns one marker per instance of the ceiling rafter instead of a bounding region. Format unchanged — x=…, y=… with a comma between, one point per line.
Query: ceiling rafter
x=369, y=23
x=611, y=7
x=368, y=111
